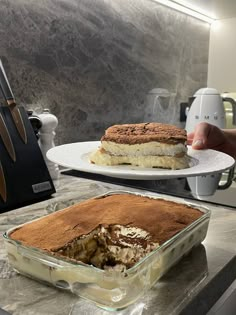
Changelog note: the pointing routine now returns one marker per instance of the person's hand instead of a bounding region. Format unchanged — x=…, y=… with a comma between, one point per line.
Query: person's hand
x=207, y=136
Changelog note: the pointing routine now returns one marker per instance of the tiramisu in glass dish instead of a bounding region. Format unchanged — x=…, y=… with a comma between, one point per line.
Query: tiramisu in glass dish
x=108, y=249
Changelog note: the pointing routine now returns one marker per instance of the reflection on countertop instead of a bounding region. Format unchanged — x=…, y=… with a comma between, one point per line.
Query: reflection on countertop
x=190, y=287
x=179, y=187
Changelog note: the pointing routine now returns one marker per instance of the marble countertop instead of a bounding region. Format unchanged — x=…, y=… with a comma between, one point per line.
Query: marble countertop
x=190, y=287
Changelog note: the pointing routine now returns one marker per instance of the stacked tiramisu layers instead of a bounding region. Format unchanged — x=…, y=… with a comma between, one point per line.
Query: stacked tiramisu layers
x=145, y=145
x=113, y=231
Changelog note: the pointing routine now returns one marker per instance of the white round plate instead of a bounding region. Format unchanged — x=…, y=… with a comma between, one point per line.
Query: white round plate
x=76, y=156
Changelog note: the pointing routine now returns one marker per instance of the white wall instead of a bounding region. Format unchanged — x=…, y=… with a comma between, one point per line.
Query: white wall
x=222, y=55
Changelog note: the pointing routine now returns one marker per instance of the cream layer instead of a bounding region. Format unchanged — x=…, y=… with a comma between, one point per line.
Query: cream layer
x=147, y=148
x=148, y=161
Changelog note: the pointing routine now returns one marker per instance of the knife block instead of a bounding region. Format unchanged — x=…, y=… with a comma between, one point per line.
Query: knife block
x=27, y=179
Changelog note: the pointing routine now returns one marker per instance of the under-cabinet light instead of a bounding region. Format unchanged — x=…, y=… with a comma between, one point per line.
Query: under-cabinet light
x=186, y=9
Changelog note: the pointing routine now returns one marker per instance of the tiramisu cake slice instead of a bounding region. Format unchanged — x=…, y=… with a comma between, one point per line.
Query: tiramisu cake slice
x=113, y=231
x=145, y=145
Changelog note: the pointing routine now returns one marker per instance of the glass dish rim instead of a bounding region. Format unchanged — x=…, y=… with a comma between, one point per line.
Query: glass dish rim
x=206, y=215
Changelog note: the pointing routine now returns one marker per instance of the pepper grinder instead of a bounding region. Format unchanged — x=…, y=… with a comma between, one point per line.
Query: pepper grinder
x=46, y=139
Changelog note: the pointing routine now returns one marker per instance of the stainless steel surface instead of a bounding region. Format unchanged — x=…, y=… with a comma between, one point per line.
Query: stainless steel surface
x=7, y=139
x=226, y=305
x=233, y=104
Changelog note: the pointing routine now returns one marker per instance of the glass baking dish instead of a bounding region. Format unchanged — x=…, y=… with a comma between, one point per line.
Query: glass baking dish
x=109, y=289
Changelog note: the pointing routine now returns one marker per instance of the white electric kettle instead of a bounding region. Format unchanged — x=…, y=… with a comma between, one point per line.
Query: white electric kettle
x=208, y=106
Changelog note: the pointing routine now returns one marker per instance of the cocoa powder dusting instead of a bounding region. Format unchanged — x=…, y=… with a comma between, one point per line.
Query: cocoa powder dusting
x=145, y=132
x=161, y=218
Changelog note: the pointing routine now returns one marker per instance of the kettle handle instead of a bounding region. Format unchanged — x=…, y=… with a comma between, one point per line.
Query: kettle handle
x=229, y=180
x=233, y=103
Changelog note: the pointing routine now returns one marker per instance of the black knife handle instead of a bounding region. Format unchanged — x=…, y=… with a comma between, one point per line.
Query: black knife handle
x=4, y=84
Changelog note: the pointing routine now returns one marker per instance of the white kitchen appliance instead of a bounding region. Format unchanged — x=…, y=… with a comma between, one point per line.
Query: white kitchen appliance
x=207, y=106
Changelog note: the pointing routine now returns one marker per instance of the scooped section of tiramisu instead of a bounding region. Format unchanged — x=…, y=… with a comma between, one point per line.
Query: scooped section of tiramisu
x=113, y=231
x=113, y=246
x=145, y=145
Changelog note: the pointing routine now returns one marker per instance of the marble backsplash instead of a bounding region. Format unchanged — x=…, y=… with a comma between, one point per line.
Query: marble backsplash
x=92, y=62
